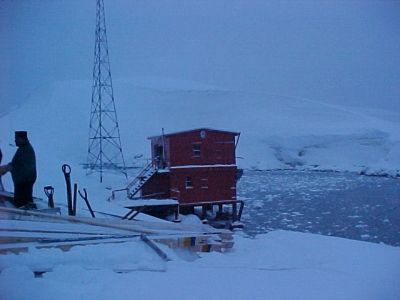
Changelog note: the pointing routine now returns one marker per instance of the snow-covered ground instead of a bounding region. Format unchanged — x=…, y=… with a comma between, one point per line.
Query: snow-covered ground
x=279, y=265
x=276, y=132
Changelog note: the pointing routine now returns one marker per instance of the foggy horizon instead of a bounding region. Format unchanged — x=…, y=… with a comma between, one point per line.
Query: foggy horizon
x=338, y=52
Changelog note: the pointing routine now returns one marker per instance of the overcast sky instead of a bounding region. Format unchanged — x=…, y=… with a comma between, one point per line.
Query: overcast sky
x=345, y=52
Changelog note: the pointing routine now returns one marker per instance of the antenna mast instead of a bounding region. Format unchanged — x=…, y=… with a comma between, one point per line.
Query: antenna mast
x=104, y=151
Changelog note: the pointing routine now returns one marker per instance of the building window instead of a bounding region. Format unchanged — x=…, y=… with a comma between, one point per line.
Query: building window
x=218, y=153
x=189, y=182
x=196, y=150
x=204, y=183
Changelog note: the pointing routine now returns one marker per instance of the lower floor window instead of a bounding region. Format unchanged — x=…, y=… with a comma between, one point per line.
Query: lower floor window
x=204, y=183
x=189, y=182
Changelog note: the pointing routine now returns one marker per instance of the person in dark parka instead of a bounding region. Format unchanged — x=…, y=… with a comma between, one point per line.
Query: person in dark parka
x=23, y=171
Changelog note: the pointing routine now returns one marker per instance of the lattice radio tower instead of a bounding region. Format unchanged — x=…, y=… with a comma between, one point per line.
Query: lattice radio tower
x=104, y=151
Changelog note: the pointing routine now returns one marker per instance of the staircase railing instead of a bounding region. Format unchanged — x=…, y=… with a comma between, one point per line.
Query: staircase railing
x=139, y=180
x=141, y=175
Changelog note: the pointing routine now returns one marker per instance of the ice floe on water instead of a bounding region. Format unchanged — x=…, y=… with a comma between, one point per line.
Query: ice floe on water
x=338, y=204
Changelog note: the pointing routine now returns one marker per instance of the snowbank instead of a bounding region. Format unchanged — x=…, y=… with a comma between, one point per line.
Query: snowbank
x=278, y=265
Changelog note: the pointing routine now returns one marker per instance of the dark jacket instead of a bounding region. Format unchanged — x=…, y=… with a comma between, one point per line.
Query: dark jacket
x=24, y=164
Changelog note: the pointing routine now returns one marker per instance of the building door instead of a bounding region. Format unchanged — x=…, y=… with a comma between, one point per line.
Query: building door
x=159, y=156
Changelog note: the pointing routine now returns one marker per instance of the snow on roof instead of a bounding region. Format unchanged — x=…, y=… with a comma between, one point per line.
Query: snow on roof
x=197, y=129
x=147, y=202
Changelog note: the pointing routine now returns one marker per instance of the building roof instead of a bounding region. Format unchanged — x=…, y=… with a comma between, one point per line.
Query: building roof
x=197, y=129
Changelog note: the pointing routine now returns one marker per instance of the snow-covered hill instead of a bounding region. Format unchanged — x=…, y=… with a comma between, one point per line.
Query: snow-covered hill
x=276, y=131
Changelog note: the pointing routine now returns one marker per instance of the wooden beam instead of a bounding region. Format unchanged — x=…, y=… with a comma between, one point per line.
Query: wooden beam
x=73, y=219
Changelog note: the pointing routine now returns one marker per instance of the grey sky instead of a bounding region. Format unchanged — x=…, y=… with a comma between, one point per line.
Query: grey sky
x=345, y=52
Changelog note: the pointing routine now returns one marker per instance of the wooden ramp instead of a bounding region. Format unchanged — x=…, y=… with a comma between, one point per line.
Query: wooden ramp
x=22, y=229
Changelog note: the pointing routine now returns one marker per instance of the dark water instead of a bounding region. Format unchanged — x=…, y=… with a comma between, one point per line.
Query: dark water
x=339, y=204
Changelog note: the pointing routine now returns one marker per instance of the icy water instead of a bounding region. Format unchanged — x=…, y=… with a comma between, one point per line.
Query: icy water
x=339, y=204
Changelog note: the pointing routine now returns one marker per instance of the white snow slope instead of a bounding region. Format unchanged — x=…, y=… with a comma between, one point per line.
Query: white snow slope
x=279, y=265
x=276, y=132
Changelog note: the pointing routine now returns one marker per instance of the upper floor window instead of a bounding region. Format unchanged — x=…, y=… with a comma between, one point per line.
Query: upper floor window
x=196, y=150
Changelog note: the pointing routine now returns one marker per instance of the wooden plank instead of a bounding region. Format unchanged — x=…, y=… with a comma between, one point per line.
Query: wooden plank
x=147, y=227
x=63, y=245
x=7, y=235
x=73, y=219
x=47, y=226
x=47, y=232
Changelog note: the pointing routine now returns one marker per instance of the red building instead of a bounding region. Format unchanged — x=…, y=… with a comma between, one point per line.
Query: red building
x=194, y=166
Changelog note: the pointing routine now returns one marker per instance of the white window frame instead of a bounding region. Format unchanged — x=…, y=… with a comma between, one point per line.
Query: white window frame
x=189, y=182
x=204, y=183
x=196, y=152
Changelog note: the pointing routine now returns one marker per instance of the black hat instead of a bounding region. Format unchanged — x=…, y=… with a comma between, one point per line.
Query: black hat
x=21, y=134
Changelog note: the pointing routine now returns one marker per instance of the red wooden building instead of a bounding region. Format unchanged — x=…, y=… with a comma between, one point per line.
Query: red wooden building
x=193, y=166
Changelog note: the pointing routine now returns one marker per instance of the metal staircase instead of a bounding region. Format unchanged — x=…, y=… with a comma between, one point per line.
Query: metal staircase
x=137, y=183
